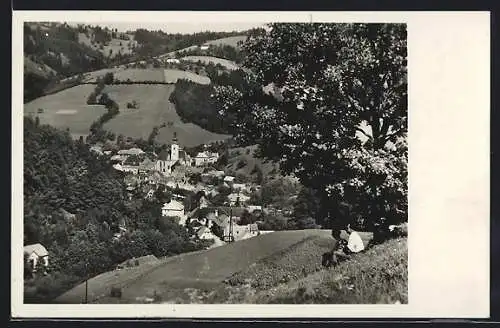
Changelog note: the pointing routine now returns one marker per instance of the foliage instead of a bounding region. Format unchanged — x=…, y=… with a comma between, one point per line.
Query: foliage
x=60, y=173
x=193, y=104
x=340, y=107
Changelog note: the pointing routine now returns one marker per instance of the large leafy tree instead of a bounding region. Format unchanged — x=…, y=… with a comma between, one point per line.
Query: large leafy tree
x=336, y=116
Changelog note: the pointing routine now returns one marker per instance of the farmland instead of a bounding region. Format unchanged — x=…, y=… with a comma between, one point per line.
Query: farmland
x=172, y=75
x=139, y=75
x=214, y=60
x=229, y=41
x=67, y=109
x=154, y=109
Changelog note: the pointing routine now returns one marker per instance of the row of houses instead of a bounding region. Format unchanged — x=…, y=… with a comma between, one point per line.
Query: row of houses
x=164, y=162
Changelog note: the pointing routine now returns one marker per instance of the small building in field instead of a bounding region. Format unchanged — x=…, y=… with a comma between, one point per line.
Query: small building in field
x=37, y=255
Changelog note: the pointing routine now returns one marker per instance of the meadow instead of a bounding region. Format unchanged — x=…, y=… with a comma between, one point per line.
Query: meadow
x=154, y=109
x=229, y=41
x=67, y=109
x=172, y=75
x=214, y=60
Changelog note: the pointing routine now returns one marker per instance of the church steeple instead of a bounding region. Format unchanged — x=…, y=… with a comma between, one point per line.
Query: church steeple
x=174, y=149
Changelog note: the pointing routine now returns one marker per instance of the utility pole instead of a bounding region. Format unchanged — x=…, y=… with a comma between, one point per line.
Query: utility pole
x=86, y=282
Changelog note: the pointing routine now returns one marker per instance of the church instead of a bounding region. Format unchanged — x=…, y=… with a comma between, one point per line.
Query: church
x=167, y=159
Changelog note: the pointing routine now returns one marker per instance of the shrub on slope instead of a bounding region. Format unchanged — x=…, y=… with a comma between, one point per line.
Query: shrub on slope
x=290, y=264
x=379, y=275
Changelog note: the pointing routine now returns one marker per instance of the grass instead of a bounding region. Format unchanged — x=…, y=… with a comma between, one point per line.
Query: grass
x=154, y=109
x=67, y=109
x=113, y=45
x=100, y=286
x=139, y=75
x=377, y=276
x=230, y=41
x=290, y=264
x=205, y=271
x=246, y=154
x=215, y=60
x=172, y=75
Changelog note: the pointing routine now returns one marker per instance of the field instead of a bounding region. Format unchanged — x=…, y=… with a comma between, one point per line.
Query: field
x=142, y=75
x=208, y=59
x=139, y=75
x=230, y=41
x=172, y=75
x=100, y=285
x=203, y=272
x=154, y=109
x=67, y=109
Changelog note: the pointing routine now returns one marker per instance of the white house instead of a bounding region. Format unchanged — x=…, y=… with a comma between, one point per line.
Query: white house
x=37, y=254
x=174, y=209
x=204, y=47
x=229, y=180
x=203, y=158
x=173, y=61
x=131, y=151
x=239, y=186
x=253, y=208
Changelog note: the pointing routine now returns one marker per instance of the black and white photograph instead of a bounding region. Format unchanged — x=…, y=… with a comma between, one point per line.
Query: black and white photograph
x=215, y=162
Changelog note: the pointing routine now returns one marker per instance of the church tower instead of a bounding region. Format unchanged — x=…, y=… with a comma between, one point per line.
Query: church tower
x=174, y=149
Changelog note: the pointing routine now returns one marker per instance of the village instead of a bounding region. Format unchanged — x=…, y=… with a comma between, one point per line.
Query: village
x=179, y=173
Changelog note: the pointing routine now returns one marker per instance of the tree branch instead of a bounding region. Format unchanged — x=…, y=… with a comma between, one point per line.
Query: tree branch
x=361, y=130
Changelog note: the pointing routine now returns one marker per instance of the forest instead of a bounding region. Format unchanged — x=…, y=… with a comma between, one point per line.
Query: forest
x=63, y=176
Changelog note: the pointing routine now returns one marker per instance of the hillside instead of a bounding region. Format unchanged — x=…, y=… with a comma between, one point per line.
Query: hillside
x=154, y=109
x=377, y=276
x=242, y=161
x=206, y=270
x=233, y=41
x=279, y=267
x=208, y=59
x=67, y=109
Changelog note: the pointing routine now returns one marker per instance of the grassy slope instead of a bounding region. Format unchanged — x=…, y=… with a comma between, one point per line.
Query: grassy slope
x=154, y=109
x=206, y=270
x=215, y=60
x=379, y=275
x=240, y=154
x=230, y=41
x=113, y=45
x=69, y=99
